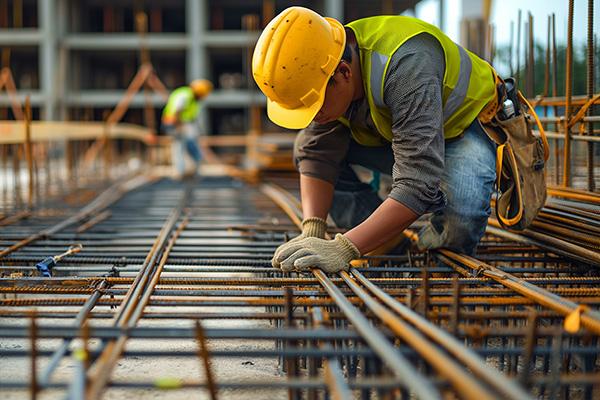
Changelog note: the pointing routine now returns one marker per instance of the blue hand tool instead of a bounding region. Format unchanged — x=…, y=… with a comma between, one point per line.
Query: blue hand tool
x=45, y=266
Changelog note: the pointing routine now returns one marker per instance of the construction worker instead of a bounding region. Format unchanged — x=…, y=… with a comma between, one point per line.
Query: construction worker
x=180, y=120
x=392, y=94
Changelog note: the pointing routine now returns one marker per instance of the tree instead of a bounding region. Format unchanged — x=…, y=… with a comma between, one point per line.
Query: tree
x=579, y=70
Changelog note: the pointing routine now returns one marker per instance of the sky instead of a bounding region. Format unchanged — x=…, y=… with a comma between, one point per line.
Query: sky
x=504, y=11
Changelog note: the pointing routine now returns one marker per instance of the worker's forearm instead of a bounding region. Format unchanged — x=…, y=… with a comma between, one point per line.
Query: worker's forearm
x=386, y=222
x=316, y=195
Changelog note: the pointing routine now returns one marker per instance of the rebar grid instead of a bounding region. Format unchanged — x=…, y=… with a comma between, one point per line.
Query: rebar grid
x=454, y=330
x=189, y=265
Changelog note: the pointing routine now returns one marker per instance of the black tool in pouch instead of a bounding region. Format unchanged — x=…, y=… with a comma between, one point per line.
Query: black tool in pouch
x=520, y=160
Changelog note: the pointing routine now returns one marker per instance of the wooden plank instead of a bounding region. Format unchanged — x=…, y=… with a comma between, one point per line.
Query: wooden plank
x=11, y=132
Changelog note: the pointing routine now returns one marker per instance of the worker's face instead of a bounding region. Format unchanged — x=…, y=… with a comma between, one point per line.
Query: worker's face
x=338, y=96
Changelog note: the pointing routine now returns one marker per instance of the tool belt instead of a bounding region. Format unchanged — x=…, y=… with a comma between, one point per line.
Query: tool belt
x=521, y=156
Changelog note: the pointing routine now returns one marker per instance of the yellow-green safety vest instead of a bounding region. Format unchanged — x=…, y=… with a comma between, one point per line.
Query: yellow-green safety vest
x=190, y=110
x=469, y=81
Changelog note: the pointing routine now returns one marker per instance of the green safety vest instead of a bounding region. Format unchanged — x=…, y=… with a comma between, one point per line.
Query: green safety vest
x=190, y=110
x=469, y=81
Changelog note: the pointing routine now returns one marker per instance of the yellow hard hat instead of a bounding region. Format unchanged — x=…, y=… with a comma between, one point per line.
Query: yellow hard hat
x=201, y=87
x=293, y=60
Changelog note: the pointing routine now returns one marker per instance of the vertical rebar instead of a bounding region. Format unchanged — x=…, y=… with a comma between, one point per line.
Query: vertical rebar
x=37, y=155
x=69, y=163
x=47, y=166
x=555, y=362
x=547, y=74
x=567, y=358
x=518, y=50
x=510, y=48
x=589, y=365
x=492, y=43
x=268, y=11
x=554, y=94
x=528, y=348
x=28, y=152
x=291, y=362
x=4, y=149
x=387, y=7
x=547, y=65
x=410, y=295
x=107, y=147
x=4, y=17
x=424, y=298
x=455, y=310
x=313, y=366
x=17, y=13
x=568, y=93
x=16, y=169
x=531, y=61
x=590, y=92
x=525, y=84
x=250, y=23
x=141, y=25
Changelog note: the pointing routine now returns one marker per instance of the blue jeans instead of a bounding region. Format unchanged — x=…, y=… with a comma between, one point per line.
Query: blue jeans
x=467, y=181
x=185, y=139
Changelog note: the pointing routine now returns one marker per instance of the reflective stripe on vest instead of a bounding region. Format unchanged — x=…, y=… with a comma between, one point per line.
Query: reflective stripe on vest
x=378, y=63
x=459, y=93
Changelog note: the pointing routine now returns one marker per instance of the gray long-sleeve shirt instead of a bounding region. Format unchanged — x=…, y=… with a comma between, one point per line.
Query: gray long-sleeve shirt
x=413, y=93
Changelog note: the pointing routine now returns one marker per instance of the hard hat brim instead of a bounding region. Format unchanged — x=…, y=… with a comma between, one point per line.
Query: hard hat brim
x=297, y=118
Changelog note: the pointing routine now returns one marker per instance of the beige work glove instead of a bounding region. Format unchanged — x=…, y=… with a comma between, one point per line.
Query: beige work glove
x=328, y=255
x=311, y=227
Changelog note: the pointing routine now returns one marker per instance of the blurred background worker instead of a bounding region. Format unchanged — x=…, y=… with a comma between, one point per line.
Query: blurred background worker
x=390, y=93
x=180, y=121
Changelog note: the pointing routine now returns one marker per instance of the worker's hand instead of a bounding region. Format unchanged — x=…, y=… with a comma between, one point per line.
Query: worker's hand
x=311, y=227
x=328, y=255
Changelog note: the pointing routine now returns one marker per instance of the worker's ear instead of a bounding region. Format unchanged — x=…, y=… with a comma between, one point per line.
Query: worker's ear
x=345, y=70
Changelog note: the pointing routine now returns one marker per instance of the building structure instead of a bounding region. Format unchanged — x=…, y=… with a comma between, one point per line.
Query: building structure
x=76, y=58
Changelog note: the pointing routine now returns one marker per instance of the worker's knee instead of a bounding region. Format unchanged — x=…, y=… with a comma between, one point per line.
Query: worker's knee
x=351, y=208
x=459, y=232
x=463, y=234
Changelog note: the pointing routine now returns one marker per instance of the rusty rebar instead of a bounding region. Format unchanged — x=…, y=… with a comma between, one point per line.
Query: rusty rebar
x=510, y=48
x=568, y=93
x=554, y=94
x=518, y=50
x=28, y=152
x=204, y=354
x=547, y=65
x=484, y=316
x=531, y=57
x=590, y=92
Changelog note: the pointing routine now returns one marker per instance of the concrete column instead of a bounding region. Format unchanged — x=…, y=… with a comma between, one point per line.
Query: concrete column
x=334, y=9
x=196, y=26
x=62, y=20
x=47, y=55
x=196, y=12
